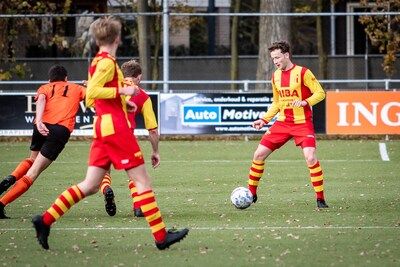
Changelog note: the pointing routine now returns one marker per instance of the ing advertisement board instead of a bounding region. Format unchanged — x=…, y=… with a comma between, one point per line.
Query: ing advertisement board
x=363, y=112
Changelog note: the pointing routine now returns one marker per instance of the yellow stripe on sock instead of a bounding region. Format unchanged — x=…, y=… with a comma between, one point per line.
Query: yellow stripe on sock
x=153, y=217
x=255, y=174
x=157, y=227
x=318, y=169
x=258, y=162
x=258, y=167
x=144, y=196
x=77, y=191
x=252, y=182
x=53, y=213
x=319, y=188
x=317, y=178
x=61, y=205
x=69, y=197
x=149, y=206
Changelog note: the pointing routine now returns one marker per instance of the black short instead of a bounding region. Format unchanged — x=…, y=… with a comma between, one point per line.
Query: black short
x=50, y=146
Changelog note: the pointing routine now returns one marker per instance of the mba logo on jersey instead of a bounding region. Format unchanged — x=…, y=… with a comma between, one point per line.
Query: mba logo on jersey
x=202, y=114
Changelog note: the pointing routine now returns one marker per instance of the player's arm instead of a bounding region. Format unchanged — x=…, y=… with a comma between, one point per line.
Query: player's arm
x=318, y=93
x=105, y=70
x=154, y=139
x=271, y=112
x=150, y=122
x=40, y=106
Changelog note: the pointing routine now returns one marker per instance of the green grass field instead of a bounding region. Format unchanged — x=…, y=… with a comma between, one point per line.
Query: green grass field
x=193, y=185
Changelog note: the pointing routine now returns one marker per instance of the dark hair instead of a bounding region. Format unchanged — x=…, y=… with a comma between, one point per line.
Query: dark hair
x=57, y=73
x=131, y=69
x=282, y=45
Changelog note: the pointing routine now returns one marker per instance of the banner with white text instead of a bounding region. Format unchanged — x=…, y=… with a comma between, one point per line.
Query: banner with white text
x=197, y=113
x=363, y=112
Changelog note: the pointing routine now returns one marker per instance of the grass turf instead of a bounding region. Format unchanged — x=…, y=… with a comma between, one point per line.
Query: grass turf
x=193, y=184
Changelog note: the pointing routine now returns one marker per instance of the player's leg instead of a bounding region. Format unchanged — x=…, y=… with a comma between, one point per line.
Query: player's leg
x=52, y=146
x=65, y=201
x=37, y=142
x=136, y=209
x=147, y=202
x=316, y=175
x=23, y=184
x=257, y=168
x=106, y=190
x=304, y=136
x=273, y=139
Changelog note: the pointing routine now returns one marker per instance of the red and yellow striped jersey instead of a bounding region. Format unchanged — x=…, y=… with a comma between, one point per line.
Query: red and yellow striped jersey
x=62, y=102
x=298, y=83
x=105, y=77
x=145, y=107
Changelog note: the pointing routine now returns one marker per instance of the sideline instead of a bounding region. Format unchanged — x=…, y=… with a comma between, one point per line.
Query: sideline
x=383, y=152
x=213, y=228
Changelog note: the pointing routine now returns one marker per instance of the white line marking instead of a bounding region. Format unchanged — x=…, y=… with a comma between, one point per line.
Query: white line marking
x=222, y=161
x=210, y=228
x=383, y=152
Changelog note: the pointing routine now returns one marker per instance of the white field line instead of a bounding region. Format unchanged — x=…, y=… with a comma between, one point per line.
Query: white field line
x=213, y=228
x=220, y=161
x=383, y=152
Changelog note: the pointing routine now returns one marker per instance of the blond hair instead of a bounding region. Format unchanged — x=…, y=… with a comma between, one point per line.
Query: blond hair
x=105, y=30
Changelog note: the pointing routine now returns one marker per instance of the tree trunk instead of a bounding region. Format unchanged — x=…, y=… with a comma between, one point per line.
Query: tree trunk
x=234, y=45
x=322, y=57
x=144, y=40
x=156, y=31
x=272, y=29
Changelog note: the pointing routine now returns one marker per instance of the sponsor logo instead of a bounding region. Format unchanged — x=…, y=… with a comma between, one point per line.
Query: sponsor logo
x=363, y=112
x=205, y=114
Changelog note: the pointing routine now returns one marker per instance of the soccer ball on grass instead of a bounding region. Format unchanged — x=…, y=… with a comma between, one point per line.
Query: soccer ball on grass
x=241, y=197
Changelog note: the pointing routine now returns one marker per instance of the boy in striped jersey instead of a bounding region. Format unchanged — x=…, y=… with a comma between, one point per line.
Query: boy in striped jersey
x=113, y=141
x=142, y=105
x=295, y=90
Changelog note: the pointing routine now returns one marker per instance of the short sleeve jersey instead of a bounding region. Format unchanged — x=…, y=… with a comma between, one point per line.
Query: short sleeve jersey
x=62, y=102
x=144, y=107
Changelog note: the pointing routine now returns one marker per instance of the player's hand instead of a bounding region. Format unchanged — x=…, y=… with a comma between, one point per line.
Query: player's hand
x=299, y=103
x=42, y=128
x=155, y=160
x=258, y=124
x=131, y=106
x=128, y=90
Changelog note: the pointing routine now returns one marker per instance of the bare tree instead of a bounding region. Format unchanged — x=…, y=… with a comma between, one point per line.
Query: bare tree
x=272, y=28
x=234, y=44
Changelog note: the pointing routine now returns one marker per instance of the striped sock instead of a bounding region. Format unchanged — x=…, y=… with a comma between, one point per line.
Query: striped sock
x=317, y=179
x=134, y=194
x=255, y=173
x=63, y=203
x=105, y=183
x=22, y=168
x=147, y=202
x=20, y=187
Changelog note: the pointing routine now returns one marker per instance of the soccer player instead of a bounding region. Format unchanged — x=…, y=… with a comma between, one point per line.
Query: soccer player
x=56, y=106
x=141, y=103
x=113, y=141
x=295, y=90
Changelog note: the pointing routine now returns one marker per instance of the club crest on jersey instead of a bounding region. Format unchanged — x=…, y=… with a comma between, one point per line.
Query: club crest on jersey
x=288, y=93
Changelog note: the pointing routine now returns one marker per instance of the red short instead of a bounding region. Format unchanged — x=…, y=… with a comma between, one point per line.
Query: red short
x=281, y=132
x=121, y=149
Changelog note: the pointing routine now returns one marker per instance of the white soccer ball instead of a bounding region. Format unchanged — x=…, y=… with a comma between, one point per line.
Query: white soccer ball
x=241, y=197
